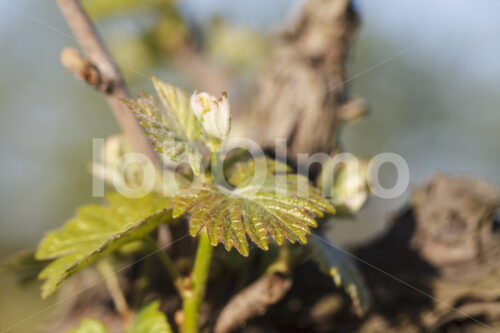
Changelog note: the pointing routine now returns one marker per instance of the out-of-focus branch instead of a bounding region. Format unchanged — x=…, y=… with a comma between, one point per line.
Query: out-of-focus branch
x=204, y=74
x=82, y=68
x=99, y=70
x=253, y=300
x=114, y=289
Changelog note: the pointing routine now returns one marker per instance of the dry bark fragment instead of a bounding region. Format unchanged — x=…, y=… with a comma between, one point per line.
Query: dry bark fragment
x=252, y=301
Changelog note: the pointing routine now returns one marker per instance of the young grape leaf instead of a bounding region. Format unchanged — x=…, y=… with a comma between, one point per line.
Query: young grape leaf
x=243, y=172
x=173, y=128
x=88, y=325
x=149, y=320
x=284, y=205
x=95, y=231
x=344, y=272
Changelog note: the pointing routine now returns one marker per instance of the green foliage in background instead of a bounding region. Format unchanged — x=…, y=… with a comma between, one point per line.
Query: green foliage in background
x=149, y=320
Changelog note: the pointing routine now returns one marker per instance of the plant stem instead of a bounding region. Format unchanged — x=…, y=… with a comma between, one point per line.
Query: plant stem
x=167, y=264
x=142, y=284
x=193, y=297
x=216, y=168
x=106, y=269
x=283, y=263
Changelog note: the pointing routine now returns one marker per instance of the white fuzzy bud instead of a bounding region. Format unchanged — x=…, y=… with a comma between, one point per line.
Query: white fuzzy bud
x=213, y=113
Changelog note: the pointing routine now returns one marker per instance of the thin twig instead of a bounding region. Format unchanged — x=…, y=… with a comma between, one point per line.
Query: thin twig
x=253, y=300
x=99, y=59
x=115, y=290
x=257, y=297
x=167, y=264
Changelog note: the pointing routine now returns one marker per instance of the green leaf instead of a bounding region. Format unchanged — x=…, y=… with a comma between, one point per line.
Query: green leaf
x=151, y=320
x=271, y=203
x=96, y=231
x=173, y=128
x=90, y=326
x=240, y=173
x=344, y=272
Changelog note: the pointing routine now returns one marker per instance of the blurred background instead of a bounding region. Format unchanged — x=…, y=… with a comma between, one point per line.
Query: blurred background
x=429, y=69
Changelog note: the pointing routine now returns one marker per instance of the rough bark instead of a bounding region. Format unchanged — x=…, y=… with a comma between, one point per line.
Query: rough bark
x=253, y=300
x=446, y=248
x=301, y=95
